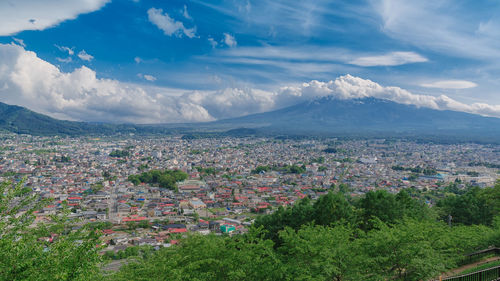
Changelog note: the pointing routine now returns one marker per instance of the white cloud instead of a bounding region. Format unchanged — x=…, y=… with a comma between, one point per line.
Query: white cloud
x=19, y=15
x=84, y=56
x=229, y=40
x=66, y=60
x=148, y=77
x=168, y=25
x=137, y=60
x=390, y=59
x=65, y=49
x=450, y=84
x=434, y=25
x=186, y=14
x=212, y=42
x=19, y=42
x=80, y=95
x=350, y=87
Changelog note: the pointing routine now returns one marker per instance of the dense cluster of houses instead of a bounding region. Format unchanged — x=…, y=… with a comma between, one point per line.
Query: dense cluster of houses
x=224, y=192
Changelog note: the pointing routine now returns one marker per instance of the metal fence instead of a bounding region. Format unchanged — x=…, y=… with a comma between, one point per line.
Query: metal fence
x=480, y=254
x=489, y=274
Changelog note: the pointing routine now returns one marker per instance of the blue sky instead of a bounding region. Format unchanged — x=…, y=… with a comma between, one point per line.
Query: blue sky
x=198, y=60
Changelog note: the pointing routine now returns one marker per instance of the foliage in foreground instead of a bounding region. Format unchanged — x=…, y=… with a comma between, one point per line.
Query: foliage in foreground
x=409, y=250
x=380, y=236
x=45, y=252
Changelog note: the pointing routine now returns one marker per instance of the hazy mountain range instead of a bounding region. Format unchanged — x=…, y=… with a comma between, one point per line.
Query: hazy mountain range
x=320, y=117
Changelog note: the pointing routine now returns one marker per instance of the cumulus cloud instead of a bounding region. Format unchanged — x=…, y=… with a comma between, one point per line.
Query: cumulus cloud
x=168, y=25
x=84, y=56
x=229, y=40
x=350, y=87
x=29, y=81
x=137, y=60
x=19, y=15
x=80, y=95
x=450, y=84
x=390, y=59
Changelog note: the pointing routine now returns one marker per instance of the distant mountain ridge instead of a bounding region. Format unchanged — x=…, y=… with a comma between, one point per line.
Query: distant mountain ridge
x=327, y=116
x=21, y=120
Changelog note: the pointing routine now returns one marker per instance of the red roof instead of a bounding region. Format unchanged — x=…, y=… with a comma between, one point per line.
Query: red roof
x=134, y=219
x=178, y=230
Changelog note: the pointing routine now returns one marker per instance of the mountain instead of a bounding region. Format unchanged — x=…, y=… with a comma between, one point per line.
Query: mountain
x=367, y=117
x=20, y=120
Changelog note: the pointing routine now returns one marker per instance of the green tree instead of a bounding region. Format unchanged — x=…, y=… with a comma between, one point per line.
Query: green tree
x=332, y=208
x=52, y=251
x=406, y=251
x=317, y=253
x=209, y=257
x=469, y=208
x=379, y=204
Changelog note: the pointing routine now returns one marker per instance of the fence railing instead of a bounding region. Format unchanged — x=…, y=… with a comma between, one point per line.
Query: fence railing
x=479, y=254
x=489, y=274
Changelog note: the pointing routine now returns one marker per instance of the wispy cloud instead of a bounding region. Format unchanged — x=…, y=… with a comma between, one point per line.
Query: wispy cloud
x=432, y=24
x=85, y=56
x=147, y=77
x=168, y=25
x=65, y=49
x=212, y=42
x=19, y=41
x=450, y=84
x=65, y=60
x=390, y=59
x=186, y=14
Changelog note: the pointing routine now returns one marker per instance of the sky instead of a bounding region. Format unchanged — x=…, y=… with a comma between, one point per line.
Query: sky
x=140, y=61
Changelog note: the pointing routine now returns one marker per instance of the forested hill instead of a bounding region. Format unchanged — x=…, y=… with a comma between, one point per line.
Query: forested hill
x=24, y=121
x=20, y=120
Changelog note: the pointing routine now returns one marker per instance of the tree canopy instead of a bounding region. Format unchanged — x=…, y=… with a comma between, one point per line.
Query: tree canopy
x=162, y=178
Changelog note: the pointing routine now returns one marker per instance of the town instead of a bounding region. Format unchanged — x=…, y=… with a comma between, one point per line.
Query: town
x=228, y=181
